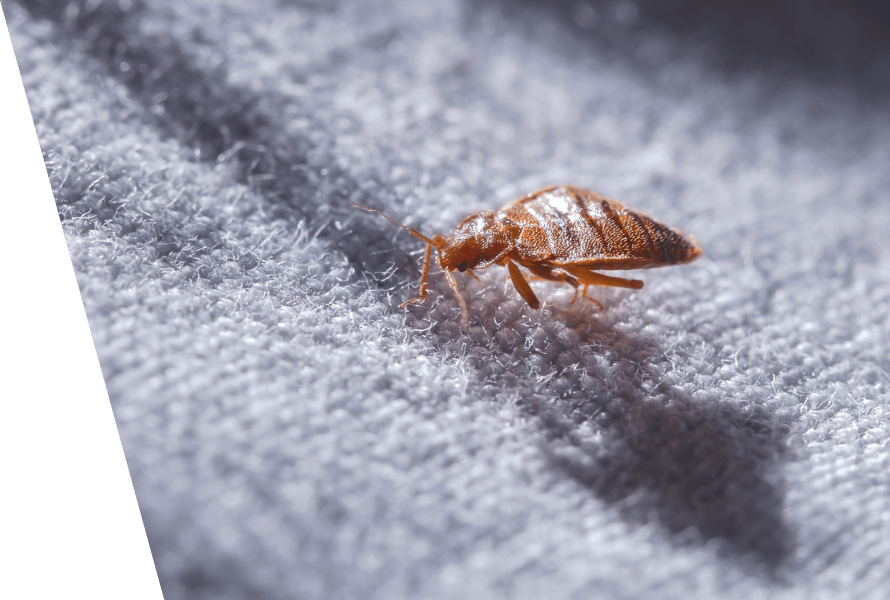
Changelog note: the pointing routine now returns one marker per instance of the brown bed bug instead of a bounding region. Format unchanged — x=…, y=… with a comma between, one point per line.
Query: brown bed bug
x=560, y=233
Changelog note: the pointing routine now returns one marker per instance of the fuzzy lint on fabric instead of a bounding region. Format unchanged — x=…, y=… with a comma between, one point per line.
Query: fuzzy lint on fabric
x=291, y=433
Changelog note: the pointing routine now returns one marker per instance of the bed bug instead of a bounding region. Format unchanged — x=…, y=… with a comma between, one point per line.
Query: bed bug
x=559, y=233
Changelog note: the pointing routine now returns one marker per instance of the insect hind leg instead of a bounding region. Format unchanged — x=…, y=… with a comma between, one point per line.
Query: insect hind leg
x=551, y=274
x=582, y=276
x=560, y=276
x=583, y=294
x=588, y=277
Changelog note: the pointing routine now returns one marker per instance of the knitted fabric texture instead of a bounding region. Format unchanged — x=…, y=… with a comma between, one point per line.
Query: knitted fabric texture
x=291, y=433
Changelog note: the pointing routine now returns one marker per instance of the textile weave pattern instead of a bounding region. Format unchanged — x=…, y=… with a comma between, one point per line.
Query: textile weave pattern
x=291, y=433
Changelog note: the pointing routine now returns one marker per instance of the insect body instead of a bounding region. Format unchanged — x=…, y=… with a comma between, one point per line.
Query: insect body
x=559, y=233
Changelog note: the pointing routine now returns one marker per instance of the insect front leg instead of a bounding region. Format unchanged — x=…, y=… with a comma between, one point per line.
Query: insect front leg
x=424, y=278
x=465, y=314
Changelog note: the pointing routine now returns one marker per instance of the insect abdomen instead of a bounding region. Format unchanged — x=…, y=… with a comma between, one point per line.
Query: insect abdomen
x=567, y=225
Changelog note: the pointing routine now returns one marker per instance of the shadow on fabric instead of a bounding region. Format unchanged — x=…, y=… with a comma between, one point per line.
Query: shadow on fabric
x=703, y=470
x=696, y=461
x=837, y=42
x=223, y=123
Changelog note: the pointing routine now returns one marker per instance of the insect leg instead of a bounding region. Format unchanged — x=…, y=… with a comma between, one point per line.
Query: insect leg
x=424, y=278
x=583, y=293
x=522, y=286
x=551, y=274
x=588, y=277
x=465, y=318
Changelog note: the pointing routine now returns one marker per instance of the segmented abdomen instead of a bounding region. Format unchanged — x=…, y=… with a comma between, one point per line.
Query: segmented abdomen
x=568, y=225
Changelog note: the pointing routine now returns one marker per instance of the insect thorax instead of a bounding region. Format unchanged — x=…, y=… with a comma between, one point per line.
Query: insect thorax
x=479, y=240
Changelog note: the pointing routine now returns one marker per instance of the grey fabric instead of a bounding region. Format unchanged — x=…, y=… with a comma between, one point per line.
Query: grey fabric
x=291, y=433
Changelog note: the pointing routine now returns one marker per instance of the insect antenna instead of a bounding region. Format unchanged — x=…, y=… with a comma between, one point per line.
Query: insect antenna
x=425, y=275
x=413, y=232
